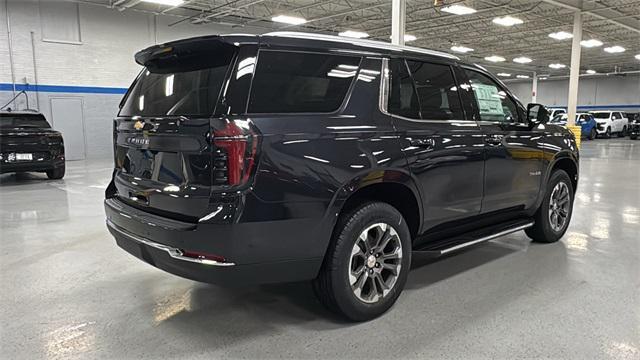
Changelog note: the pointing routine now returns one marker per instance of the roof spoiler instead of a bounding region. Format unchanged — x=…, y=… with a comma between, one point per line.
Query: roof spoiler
x=163, y=58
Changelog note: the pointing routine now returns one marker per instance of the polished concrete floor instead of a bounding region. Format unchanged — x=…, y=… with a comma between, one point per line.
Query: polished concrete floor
x=67, y=291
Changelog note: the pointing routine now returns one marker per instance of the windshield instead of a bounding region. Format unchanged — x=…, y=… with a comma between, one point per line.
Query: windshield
x=601, y=115
x=187, y=87
x=12, y=121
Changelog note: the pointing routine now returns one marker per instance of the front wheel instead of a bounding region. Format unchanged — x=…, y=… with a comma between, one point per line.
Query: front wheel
x=607, y=134
x=553, y=217
x=592, y=134
x=366, y=265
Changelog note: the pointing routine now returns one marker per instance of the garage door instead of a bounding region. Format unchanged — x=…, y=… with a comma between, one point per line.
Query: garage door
x=66, y=117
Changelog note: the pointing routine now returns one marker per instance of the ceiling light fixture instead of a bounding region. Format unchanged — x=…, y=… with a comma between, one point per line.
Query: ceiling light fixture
x=591, y=72
x=638, y=56
x=522, y=76
x=165, y=2
x=557, y=66
x=461, y=49
x=504, y=74
x=458, y=10
x=495, y=58
x=522, y=60
x=561, y=35
x=507, y=21
x=542, y=78
x=408, y=38
x=591, y=43
x=614, y=49
x=354, y=34
x=292, y=20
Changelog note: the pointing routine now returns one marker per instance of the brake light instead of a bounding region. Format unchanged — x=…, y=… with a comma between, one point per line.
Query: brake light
x=235, y=157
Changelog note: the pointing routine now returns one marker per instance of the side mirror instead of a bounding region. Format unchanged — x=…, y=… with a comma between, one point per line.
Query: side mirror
x=537, y=114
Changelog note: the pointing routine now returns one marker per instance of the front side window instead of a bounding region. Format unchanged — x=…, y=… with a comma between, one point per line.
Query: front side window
x=402, y=99
x=437, y=91
x=291, y=82
x=616, y=116
x=493, y=102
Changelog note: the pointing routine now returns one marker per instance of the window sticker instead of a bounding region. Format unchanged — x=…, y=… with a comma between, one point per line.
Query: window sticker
x=489, y=100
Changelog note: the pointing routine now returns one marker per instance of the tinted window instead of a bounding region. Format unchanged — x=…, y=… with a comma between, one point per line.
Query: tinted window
x=437, y=91
x=493, y=103
x=289, y=82
x=8, y=121
x=188, y=89
x=601, y=115
x=403, y=100
x=616, y=115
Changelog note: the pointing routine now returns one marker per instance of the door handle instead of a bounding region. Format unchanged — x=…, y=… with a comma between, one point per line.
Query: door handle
x=494, y=140
x=428, y=143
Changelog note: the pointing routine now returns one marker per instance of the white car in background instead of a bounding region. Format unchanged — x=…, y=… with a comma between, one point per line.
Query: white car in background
x=556, y=111
x=610, y=122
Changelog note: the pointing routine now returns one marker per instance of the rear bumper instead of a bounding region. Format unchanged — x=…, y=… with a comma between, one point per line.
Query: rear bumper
x=8, y=167
x=161, y=243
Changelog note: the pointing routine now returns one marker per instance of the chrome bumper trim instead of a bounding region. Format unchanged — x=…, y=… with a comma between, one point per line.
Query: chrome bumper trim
x=173, y=252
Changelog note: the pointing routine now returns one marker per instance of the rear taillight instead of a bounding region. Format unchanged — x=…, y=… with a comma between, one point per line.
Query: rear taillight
x=235, y=155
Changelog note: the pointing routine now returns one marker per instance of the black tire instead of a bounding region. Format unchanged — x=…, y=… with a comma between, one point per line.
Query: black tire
x=333, y=286
x=633, y=137
x=592, y=134
x=623, y=133
x=56, y=173
x=543, y=231
x=607, y=134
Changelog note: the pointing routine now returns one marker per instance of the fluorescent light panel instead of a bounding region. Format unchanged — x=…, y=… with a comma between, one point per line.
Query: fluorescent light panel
x=638, y=56
x=614, y=49
x=286, y=19
x=461, y=49
x=557, y=66
x=591, y=43
x=408, y=38
x=458, y=10
x=495, y=58
x=561, y=35
x=522, y=76
x=522, y=60
x=591, y=72
x=165, y=2
x=354, y=34
x=507, y=21
x=504, y=74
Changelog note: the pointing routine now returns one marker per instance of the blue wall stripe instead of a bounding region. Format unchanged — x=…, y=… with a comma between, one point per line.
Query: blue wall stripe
x=64, y=89
x=121, y=91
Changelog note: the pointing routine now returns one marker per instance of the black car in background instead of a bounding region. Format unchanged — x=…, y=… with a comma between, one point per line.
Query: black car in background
x=287, y=157
x=28, y=143
x=634, y=125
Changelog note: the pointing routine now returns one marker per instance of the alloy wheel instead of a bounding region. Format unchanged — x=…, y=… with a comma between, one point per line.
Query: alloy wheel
x=375, y=262
x=559, y=206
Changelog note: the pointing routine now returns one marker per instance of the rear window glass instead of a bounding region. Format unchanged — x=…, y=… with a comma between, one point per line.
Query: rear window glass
x=601, y=115
x=191, y=89
x=8, y=121
x=290, y=82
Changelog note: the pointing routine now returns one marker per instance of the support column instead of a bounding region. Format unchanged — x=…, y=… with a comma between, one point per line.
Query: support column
x=398, y=20
x=534, y=88
x=574, y=72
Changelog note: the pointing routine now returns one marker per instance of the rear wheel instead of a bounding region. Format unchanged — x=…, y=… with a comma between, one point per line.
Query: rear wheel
x=553, y=217
x=56, y=173
x=623, y=133
x=366, y=265
x=633, y=137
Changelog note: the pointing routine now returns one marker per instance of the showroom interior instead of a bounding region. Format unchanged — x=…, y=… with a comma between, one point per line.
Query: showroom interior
x=68, y=291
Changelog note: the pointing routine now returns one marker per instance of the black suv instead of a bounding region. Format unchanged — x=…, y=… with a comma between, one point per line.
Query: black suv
x=27, y=143
x=289, y=156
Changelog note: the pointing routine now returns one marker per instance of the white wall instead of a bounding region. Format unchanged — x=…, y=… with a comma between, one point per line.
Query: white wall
x=592, y=91
x=109, y=39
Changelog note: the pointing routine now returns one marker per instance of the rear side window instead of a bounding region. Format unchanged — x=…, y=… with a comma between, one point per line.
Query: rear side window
x=403, y=100
x=437, y=91
x=291, y=82
x=189, y=87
